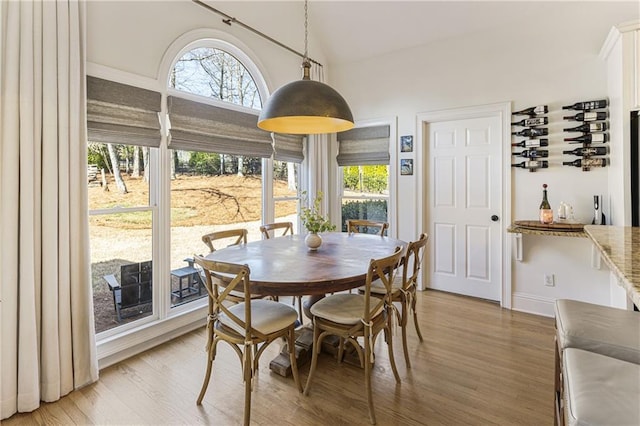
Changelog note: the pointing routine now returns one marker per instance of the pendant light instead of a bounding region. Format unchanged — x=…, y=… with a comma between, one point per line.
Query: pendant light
x=305, y=106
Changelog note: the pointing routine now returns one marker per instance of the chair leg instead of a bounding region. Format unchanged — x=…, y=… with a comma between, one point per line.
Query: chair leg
x=300, y=312
x=403, y=325
x=207, y=374
x=314, y=358
x=367, y=379
x=291, y=343
x=392, y=360
x=248, y=363
x=415, y=317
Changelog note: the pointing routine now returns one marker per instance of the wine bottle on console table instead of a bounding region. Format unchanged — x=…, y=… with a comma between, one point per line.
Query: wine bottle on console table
x=598, y=150
x=532, y=164
x=532, y=143
x=586, y=162
x=589, y=127
x=546, y=212
x=531, y=122
x=532, y=153
x=532, y=132
x=589, y=138
x=588, y=105
x=587, y=116
x=535, y=110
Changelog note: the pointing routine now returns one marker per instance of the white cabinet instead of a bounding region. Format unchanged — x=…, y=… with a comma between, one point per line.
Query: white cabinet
x=621, y=51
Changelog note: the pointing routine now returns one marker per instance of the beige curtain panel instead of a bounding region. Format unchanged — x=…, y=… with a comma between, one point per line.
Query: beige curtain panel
x=47, y=335
x=364, y=146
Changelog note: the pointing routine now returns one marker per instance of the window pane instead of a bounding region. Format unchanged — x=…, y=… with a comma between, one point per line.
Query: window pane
x=117, y=238
x=370, y=209
x=366, y=179
x=120, y=242
x=365, y=193
x=285, y=192
x=215, y=74
x=127, y=185
x=210, y=192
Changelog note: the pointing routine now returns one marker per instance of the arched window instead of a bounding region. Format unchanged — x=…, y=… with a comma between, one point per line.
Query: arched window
x=215, y=73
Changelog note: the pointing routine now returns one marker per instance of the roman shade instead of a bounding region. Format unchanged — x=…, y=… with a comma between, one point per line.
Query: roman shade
x=122, y=114
x=196, y=126
x=287, y=147
x=364, y=146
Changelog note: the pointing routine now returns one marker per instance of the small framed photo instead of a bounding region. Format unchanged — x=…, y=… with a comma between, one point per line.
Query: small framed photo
x=406, y=166
x=406, y=143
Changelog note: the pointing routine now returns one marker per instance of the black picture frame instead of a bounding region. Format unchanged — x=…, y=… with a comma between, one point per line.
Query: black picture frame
x=406, y=166
x=406, y=143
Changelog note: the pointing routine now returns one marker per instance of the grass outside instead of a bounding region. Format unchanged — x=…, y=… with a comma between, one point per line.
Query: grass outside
x=199, y=204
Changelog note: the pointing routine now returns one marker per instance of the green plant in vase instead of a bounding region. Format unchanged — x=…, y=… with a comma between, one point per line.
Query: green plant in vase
x=314, y=221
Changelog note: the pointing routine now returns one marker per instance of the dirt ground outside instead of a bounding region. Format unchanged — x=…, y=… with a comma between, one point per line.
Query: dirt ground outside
x=199, y=204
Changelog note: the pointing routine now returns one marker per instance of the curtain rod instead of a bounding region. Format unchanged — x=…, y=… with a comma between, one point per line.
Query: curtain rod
x=231, y=20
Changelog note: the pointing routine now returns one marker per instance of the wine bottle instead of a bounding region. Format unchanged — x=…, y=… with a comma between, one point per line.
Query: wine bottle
x=532, y=164
x=588, y=105
x=589, y=138
x=532, y=143
x=531, y=122
x=533, y=132
x=535, y=110
x=546, y=212
x=586, y=162
x=532, y=153
x=587, y=116
x=599, y=150
x=589, y=127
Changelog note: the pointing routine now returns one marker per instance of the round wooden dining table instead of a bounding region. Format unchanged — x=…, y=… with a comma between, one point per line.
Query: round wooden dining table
x=284, y=266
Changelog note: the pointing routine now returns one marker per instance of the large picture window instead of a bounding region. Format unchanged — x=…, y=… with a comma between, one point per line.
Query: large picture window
x=158, y=183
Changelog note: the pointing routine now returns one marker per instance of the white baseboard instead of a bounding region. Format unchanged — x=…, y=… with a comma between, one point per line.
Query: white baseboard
x=533, y=304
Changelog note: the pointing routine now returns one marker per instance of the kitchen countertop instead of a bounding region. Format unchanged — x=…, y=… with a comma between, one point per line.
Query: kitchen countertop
x=515, y=229
x=619, y=246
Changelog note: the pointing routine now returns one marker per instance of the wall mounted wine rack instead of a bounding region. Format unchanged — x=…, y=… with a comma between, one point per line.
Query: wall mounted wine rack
x=532, y=127
x=591, y=122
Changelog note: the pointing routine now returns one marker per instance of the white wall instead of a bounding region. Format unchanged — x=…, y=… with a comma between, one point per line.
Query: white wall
x=132, y=36
x=547, y=59
x=550, y=58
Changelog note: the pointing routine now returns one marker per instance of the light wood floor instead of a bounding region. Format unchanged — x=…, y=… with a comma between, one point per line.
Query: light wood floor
x=479, y=365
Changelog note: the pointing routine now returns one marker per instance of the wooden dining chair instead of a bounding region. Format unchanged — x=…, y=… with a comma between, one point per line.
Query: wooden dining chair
x=239, y=234
x=230, y=237
x=286, y=227
x=364, y=226
x=403, y=289
x=249, y=327
x=350, y=316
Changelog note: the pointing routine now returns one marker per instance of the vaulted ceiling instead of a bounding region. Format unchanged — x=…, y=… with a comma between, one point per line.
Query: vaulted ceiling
x=360, y=29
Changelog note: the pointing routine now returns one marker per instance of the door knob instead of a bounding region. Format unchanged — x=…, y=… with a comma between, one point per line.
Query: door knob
x=495, y=218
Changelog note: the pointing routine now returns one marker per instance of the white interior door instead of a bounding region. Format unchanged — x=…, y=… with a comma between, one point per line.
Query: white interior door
x=465, y=206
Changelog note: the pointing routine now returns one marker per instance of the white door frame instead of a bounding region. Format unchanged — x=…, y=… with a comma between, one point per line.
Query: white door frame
x=503, y=111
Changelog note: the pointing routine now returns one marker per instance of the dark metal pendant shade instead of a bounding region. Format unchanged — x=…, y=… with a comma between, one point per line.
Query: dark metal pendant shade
x=306, y=107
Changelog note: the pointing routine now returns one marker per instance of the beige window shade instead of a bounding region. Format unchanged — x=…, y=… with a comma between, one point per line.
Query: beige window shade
x=288, y=147
x=122, y=114
x=196, y=126
x=364, y=146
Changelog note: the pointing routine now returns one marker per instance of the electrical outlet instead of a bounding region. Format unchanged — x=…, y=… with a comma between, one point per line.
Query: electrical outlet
x=549, y=280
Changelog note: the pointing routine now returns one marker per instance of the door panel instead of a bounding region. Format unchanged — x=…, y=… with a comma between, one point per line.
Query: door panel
x=464, y=192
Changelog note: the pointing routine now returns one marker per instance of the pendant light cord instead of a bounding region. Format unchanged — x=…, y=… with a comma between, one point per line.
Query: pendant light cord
x=306, y=29
x=227, y=19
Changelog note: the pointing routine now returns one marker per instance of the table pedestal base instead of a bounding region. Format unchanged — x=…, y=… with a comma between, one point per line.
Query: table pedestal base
x=281, y=364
